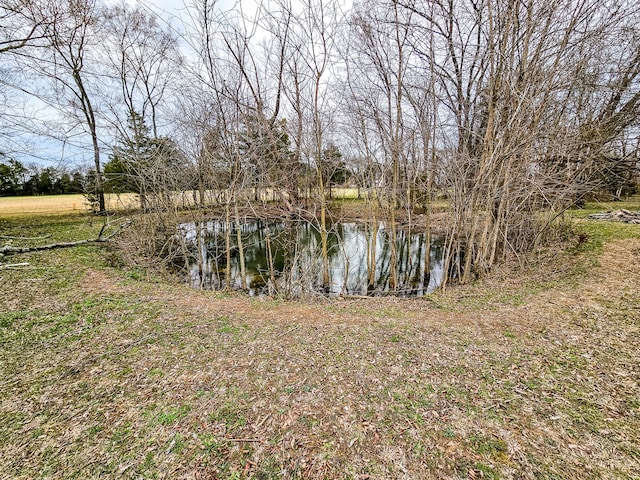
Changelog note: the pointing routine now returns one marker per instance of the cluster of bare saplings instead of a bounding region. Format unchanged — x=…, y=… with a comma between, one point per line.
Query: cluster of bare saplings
x=509, y=112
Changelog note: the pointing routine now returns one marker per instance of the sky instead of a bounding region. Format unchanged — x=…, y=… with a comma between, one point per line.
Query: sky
x=31, y=148
x=77, y=152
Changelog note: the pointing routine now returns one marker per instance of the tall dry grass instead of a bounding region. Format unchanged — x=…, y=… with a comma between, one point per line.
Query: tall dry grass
x=61, y=204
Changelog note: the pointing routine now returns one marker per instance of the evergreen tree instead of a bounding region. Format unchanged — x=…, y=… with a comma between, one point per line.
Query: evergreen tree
x=12, y=174
x=46, y=181
x=334, y=168
x=151, y=167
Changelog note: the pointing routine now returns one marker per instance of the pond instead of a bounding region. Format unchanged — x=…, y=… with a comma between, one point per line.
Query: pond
x=285, y=257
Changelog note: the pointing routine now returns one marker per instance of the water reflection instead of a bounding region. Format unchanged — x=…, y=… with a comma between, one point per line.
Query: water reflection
x=285, y=257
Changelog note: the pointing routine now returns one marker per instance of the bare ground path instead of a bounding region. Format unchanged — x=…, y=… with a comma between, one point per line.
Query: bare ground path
x=119, y=378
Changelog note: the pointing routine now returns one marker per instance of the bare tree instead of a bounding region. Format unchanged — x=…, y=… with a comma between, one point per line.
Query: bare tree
x=63, y=57
x=317, y=26
x=512, y=76
x=23, y=24
x=144, y=57
x=141, y=56
x=381, y=60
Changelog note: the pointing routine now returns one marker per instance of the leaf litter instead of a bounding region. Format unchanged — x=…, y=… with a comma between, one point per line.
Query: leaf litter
x=112, y=378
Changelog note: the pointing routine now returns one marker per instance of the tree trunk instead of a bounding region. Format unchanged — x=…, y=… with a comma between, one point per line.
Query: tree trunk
x=243, y=270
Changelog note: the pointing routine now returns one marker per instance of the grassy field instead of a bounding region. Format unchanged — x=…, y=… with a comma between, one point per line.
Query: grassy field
x=531, y=374
x=71, y=204
x=60, y=204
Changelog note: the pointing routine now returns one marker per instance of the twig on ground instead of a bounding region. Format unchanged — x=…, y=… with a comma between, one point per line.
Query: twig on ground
x=13, y=266
x=293, y=329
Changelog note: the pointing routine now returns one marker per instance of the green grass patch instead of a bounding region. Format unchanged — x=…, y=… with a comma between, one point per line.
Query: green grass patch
x=34, y=230
x=631, y=203
x=172, y=416
x=229, y=415
x=591, y=235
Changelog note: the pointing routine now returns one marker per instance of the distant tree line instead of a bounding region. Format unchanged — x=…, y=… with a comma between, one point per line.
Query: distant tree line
x=18, y=179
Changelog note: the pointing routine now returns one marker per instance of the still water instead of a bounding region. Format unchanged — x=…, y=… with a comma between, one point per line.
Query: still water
x=286, y=258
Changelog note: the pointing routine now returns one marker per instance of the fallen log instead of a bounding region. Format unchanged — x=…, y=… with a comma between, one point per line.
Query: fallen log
x=626, y=216
x=10, y=249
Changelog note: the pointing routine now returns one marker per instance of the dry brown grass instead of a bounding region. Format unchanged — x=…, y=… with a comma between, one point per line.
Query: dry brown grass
x=71, y=204
x=59, y=204
x=107, y=375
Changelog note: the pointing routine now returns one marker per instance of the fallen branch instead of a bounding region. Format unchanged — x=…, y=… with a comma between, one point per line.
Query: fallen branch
x=10, y=249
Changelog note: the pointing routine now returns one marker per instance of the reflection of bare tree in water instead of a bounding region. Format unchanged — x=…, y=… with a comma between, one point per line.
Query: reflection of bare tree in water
x=285, y=258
